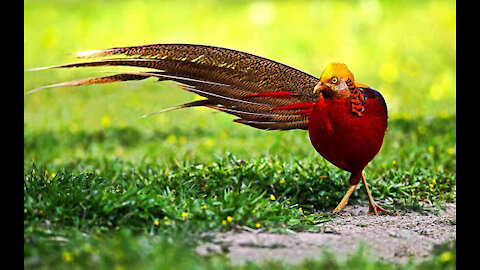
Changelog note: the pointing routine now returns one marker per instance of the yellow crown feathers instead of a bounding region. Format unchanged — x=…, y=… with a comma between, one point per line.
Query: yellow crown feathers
x=336, y=70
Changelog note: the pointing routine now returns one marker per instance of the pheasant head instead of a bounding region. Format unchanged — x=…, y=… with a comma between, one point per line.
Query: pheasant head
x=338, y=82
x=334, y=79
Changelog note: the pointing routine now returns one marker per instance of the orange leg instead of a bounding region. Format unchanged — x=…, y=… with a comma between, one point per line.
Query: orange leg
x=344, y=200
x=373, y=207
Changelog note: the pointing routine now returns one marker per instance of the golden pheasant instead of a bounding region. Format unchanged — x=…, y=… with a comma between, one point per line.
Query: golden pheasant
x=346, y=120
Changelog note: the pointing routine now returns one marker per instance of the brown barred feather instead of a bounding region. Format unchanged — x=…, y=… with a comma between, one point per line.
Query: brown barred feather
x=225, y=77
x=100, y=80
x=197, y=103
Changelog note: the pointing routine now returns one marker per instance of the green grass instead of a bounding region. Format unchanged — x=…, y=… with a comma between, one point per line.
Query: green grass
x=127, y=196
x=106, y=189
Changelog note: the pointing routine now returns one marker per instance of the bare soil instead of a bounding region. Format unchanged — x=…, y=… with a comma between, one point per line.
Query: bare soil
x=395, y=238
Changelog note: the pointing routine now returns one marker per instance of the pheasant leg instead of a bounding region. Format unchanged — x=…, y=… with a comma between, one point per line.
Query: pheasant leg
x=373, y=207
x=344, y=200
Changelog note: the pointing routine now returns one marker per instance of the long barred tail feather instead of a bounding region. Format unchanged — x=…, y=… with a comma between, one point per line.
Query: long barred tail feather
x=197, y=103
x=241, y=84
x=100, y=80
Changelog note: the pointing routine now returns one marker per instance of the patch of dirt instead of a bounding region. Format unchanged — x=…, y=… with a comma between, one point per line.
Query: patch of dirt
x=391, y=238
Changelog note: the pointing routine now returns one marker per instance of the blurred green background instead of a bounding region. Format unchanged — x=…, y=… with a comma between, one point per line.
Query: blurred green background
x=404, y=49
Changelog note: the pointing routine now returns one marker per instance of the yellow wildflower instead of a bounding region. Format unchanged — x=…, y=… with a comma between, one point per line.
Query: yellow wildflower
x=184, y=214
x=224, y=222
x=156, y=222
x=272, y=197
x=258, y=225
x=105, y=121
x=434, y=181
x=209, y=142
x=431, y=149
x=67, y=256
x=172, y=139
x=446, y=256
x=229, y=219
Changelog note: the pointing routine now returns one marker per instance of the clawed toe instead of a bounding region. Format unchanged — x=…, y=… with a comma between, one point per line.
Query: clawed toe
x=376, y=209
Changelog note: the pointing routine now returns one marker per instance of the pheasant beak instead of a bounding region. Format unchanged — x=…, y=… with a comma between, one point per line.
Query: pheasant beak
x=320, y=87
x=324, y=89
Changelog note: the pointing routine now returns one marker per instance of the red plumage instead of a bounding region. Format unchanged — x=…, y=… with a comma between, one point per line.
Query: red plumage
x=347, y=141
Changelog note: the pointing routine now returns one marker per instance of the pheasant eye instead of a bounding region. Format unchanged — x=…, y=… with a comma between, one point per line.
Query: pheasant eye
x=334, y=80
